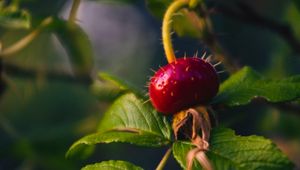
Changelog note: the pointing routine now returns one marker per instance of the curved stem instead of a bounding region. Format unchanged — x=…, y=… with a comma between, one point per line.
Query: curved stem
x=166, y=27
x=25, y=40
x=163, y=161
x=74, y=9
x=194, y=3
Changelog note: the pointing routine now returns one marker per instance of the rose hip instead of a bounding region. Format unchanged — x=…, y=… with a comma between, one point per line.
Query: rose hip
x=183, y=84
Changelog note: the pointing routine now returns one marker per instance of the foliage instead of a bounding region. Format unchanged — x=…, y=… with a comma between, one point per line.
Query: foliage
x=112, y=165
x=129, y=120
x=12, y=17
x=36, y=116
x=229, y=151
x=247, y=84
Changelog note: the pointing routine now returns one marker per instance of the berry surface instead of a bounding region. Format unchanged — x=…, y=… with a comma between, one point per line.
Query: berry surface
x=182, y=84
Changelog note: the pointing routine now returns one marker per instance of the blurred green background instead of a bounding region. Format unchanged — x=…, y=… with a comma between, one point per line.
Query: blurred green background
x=41, y=116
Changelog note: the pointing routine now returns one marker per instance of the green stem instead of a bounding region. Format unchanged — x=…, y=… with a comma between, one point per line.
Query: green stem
x=193, y=3
x=163, y=161
x=166, y=27
x=74, y=9
x=25, y=40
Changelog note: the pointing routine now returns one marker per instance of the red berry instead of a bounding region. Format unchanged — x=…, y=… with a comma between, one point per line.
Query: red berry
x=182, y=84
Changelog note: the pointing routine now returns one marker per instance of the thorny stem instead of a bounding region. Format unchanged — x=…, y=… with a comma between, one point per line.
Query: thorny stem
x=25, y=40
x=203, y=24
x=74, y=9
x=166, y=27
x=163, y=161
x=248, y=15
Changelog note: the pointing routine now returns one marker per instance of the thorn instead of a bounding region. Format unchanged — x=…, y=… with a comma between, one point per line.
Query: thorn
x=196, y=54
x=146, y=101
x=178, y=14
x=171, y=33
x=220, y=72
x=208, y=59
x=152, y=70
x=173, y=66
x=184, y=55
x=203, y=56
x=218, y=63
x=162, y=68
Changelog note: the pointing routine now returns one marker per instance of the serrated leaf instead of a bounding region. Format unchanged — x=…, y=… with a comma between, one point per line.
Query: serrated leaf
x=110, y=87
x=77, y=45
x=247, y=84
x=131, y=112
x=11, y=17
x=229, y=151
x=130, y=120
x=112, y=165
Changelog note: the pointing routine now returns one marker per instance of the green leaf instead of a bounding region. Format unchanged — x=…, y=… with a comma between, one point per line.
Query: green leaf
x=77, y=45
x=188, y=24
x=229, y=151
x=110, y=87
x=185, y=23
x=131, y=112
x=130, y=120
x=112, y=165
x=11, y=17
x=247, y=84
x=121, y=84
x=106, y=91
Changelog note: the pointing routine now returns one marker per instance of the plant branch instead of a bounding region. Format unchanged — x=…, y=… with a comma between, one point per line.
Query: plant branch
x=202, y=21
x=166, y=27
x=74, y=9
x=291, y=107
x=163, y=161
x=25, y=40
x=246, y=14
